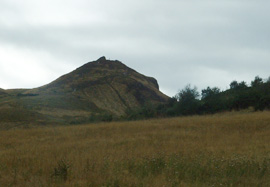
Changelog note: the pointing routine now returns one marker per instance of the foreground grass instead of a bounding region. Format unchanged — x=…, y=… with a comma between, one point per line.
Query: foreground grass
x=230, y=149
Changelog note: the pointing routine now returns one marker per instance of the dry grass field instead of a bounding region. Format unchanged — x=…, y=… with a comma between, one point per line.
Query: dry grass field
x=230, y=149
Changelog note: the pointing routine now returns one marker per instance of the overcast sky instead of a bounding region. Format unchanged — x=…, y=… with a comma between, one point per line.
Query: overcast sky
x=201, y=42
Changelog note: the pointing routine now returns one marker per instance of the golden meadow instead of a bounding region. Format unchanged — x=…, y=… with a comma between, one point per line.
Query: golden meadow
x=229, y=149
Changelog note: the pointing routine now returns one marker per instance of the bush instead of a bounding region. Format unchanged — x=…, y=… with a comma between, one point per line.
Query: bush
x=62, y=170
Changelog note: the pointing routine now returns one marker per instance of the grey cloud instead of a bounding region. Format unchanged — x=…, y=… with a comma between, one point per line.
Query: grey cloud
x=207, y=43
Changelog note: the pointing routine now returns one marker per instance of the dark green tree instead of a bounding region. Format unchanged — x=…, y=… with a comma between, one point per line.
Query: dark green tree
x=212, y=101
x=210, y=92
x=268, y=80
x=188, y=101
x=233, y=85
x=257, y=82
x=242, y=85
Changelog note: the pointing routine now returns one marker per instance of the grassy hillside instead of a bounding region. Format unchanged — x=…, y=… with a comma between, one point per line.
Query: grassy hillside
x=2, y=92
x=230, y=149
x=108, y=85
x=98, y=90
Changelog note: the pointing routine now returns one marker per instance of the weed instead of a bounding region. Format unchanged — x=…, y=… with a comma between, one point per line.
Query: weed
x=62, y=169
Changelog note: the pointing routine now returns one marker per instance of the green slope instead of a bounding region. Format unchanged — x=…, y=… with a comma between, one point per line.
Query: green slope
x=99, y=88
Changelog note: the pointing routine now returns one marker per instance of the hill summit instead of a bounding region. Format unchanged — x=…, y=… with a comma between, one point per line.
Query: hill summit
x=96, y=88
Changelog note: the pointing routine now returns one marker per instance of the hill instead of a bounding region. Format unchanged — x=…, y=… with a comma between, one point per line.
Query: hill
x=2, y=92
x=97, y=90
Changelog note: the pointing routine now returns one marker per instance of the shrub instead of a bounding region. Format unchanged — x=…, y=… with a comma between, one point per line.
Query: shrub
x=62, y=169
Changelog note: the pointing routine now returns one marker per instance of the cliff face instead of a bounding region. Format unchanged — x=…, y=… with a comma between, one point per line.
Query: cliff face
x=98, y=87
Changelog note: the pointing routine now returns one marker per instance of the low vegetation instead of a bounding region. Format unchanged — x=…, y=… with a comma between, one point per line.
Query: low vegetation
x=228, y=149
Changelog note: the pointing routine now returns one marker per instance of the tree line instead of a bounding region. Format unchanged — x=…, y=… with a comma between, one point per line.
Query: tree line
x=189, y=101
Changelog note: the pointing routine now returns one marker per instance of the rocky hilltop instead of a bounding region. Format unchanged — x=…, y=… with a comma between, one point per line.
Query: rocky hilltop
x=98, y=88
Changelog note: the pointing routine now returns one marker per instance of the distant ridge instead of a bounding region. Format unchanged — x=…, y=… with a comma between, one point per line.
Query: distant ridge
x=2, y=92
x=101, y=87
